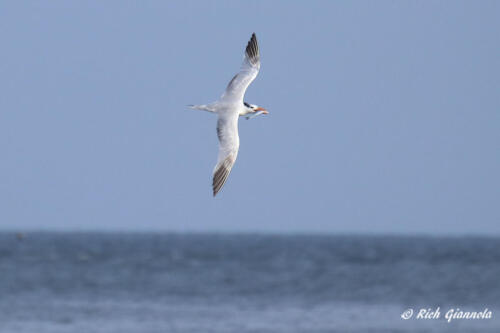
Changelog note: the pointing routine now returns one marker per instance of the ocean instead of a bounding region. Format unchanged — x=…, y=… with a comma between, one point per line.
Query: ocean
x=168, y=282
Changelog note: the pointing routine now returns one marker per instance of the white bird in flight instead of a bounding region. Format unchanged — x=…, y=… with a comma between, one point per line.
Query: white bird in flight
x=228, y=109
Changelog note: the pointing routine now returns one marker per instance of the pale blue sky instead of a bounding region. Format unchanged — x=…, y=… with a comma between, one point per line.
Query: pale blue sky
x=384, y=116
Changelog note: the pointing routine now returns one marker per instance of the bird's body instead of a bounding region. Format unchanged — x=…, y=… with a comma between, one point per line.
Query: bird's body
x=228, y=109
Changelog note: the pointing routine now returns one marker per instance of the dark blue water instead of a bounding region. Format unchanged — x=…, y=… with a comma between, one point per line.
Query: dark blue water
x=91, y=282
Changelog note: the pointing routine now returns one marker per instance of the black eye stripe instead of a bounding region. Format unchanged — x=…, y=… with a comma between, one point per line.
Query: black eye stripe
x=246, y=104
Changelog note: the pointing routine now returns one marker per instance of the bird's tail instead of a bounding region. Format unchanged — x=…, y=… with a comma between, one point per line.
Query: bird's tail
x=203, y=107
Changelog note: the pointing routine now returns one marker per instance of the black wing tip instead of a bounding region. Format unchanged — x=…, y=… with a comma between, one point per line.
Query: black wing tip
x=221, y=175
x=252, y=49
x=218, y=180
x=216, y=189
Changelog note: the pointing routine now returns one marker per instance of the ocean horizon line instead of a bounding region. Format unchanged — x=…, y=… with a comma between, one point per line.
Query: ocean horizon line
x=263, y=233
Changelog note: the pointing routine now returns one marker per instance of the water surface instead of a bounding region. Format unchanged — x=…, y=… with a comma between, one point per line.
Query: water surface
x=114, y=282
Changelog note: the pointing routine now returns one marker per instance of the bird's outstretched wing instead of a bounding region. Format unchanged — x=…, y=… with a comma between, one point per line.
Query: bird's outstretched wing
x=229, y=142
x=236, y=88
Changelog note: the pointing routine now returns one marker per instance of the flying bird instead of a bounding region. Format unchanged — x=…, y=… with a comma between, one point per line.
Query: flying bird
x=228, y=109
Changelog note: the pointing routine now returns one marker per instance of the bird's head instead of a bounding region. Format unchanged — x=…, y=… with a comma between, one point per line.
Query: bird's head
x=252, y=108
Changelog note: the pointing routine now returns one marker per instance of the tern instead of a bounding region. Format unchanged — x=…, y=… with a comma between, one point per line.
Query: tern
x=228, y=109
